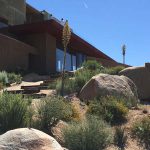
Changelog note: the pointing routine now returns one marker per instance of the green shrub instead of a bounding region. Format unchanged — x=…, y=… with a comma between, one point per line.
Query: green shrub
x=120, y=138
x=90, y=69
x=52, y=85
x=141, y=131
x=9, y=78
x=13, y=111
x=12, y=78
x=92, y=65
x=69, y=86
x=3, y=77
x=75, y=84
x=89, y=134
x=82, y=77
x=51, y=111
x=109, y=108
x=113, y=70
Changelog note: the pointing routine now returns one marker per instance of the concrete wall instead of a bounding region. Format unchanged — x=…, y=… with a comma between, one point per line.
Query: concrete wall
x=30, y=18
x=141, y=77
x=50, y=54
x=46, y=46
x=38, y=41
x=13, y=10
x=14, y=53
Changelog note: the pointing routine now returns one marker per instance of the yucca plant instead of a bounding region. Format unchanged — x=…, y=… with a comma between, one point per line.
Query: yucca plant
x=124, y=53
x=66, y=36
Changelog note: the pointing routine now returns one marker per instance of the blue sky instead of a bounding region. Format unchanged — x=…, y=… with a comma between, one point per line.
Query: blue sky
x=107, y=24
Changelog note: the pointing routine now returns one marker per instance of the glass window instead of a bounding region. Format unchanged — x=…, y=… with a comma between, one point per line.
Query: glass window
x=73, y=62
x=68, y=62
x=80, y=59
x=74, y=67
x=59, y=61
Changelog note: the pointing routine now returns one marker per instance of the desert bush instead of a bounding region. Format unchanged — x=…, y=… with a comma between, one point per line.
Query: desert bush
x=82, y=77
x=109, y=108
x=9, y=78
x=89, y=134
x=120, y=138
x=113, y=70
x=76, y=83
x=3, y=77
x=69, y=86
x=141, y=131
x=13, y=111
x=1, y=86
x=12, y=78
x=90, y=69
x=51, y=111
x=76, y=111
x=52, y=85
x=92, y=65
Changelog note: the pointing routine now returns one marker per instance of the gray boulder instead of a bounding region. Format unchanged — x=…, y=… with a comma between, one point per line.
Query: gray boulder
x=104, y=85
x=28, y=139
x=141, y=77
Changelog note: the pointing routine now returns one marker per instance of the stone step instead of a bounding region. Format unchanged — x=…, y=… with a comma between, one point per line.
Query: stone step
x=49, y=81
x=43, y=87
x=15, y=91
x=35, y=95
x=31, y=91
x=30, y=87
x=35, y=87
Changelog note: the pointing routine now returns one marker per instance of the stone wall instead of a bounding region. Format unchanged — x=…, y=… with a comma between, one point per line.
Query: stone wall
x=13, y=10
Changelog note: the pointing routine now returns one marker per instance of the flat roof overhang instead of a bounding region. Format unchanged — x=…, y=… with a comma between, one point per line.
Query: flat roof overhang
x=53, y=27
x=31, y=10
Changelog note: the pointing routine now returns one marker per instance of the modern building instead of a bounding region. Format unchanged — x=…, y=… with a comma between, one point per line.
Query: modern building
x=31, y=40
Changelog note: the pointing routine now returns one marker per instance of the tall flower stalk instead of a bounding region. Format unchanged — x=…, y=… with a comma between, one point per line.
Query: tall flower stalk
x=66, y=36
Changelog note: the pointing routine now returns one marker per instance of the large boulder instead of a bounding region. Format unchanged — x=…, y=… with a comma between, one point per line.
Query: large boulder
x=103, y=85
x=28, y=139
x=141, y=77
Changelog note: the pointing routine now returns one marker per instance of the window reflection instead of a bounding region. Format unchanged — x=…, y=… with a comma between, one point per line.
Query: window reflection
x=73, y=61
x=74, y=67
x=59, y=60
